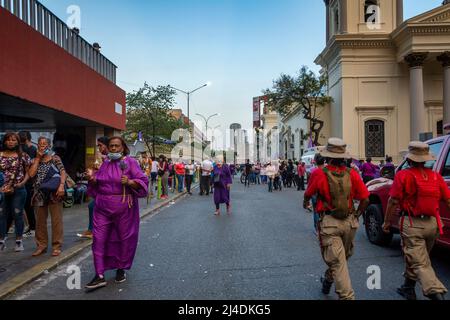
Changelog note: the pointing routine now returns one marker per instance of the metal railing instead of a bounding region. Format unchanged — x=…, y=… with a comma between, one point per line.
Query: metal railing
x=45, y=22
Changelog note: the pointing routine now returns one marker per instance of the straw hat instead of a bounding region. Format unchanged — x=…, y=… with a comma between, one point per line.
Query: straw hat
x=336, y=149
x=419, y=152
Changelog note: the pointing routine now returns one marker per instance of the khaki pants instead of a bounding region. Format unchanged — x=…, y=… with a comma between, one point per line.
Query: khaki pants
x=57, y=226
x=336, y=242
x=417, y=242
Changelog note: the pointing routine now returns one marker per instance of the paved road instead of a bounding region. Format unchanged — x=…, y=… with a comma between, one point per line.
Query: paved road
x=265, y=250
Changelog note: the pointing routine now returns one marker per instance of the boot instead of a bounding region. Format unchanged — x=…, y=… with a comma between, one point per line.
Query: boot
x=326, y=285
x=436, y=296
x=408, y=290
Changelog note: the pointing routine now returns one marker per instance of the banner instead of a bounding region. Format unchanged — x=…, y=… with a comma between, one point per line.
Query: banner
x=256, y=112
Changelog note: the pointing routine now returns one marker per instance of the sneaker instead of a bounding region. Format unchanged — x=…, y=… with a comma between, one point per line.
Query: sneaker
x=19, y=246
x=3, y=245
x=96, y=283
x=29, y=234
x=11, y=230
x=121, y=276
x=85, y=235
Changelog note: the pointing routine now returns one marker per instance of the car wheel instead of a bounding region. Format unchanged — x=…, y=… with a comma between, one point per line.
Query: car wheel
x=374, y=220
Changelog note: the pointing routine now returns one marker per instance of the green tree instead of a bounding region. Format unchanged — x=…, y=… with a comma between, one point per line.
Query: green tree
x=148, y=111
x=306, y=90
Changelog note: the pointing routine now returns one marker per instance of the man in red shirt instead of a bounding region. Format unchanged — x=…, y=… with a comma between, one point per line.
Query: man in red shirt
x=301, y=168
x=418, y=192
x=336, y=186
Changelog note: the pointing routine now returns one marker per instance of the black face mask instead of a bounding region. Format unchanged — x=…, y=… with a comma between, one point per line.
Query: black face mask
x=16, y=148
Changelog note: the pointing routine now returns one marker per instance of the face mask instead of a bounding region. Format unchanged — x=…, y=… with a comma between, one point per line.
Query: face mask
x=114, y=156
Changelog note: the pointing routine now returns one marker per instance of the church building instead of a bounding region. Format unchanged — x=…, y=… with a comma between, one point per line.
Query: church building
x=389, y=78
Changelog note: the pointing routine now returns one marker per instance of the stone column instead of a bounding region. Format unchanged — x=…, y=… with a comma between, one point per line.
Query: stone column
x=415, y=62
x=343, y=16
x=399, y=12
x=445, y=60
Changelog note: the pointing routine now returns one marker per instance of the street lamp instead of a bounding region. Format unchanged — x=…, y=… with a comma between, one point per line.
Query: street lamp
x=188, y=94
x=206, y=122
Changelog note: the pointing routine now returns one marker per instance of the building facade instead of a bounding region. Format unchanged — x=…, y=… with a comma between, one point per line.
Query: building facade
x=389, y=78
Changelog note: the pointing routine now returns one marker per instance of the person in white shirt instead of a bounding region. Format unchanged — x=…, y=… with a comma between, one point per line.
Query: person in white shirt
x=205, y=180
x=153, y=175
x=190, y=171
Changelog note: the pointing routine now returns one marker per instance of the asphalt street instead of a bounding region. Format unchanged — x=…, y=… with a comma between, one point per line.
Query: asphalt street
x=266, y=250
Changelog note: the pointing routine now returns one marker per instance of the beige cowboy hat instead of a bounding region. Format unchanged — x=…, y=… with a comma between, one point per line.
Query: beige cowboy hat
x=335, y=149
x=419, y=152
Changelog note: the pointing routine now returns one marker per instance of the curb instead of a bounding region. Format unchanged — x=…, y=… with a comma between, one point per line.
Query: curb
x=14, y=284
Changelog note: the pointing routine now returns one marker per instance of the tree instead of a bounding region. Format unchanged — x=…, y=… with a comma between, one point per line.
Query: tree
x=148, y=111
x=306, y=90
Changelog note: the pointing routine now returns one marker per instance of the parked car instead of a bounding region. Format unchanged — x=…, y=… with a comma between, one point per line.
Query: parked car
x=379, y=195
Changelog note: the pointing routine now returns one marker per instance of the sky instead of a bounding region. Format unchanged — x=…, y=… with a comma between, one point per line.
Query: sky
x=240, y=46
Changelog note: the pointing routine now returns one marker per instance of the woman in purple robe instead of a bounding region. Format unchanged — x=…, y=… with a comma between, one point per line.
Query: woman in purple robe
x=116, y=187
x=222, y=186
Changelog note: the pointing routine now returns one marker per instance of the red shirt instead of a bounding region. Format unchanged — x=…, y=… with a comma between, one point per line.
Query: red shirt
x=319, y=186
x=404, y=188
x=179, y=169
x=301, y=170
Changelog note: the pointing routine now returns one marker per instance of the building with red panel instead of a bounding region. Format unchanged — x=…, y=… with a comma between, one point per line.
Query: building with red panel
x=52, y=80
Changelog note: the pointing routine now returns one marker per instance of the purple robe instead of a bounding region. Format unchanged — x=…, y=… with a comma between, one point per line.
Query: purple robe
x=116, y=220
x=221, y=193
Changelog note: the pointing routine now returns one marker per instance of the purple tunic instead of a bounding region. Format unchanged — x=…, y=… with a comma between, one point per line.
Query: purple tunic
x=221, y=193
x=116, y=220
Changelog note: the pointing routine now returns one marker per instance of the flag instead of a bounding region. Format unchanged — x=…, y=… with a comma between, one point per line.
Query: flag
x=140, y=136
x=311, y=142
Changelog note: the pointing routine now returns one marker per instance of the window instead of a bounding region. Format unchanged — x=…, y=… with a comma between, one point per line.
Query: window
x=302, y=138
x=369, y=11
x=375, y=141
x=446, y=170
x=440, y=128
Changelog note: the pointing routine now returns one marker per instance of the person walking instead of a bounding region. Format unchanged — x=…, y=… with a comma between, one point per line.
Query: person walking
x=258, y=173
x=205, y=179
x=190, y=172
x=153, y=176
x=28, y=148
x=417, y=191
x=222, y=186
x=163, y=172
x=336, y=187
x=15, y=166
x=102, y=152
x=48, y=192
x=369, y=171
x=301, y=171
x=116, y=187
x=248, y=168
x=180, y=172
x=271, y=171
x=319, y=163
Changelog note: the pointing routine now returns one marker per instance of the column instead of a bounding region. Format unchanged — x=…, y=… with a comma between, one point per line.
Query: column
x=445, y=60
x=399, y=12
x=415, y=62
x=343, y=16
x=327, y=4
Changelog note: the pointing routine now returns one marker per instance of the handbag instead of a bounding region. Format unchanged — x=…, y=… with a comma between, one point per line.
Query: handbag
x=51, y=181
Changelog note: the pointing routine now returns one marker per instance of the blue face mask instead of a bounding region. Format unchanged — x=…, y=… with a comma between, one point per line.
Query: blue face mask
x=114, y=156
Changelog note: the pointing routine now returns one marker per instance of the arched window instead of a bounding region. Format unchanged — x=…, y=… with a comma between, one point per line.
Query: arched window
x=375, y=139
x=368, y=11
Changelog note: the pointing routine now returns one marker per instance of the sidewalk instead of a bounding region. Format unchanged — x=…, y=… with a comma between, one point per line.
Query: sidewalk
x=18, y=269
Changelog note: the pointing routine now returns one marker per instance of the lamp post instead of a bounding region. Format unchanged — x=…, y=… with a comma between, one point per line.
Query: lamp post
x=206, y=123
x=188, y=94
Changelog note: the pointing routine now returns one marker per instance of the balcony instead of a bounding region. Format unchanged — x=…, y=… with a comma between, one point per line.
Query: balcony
x=50, y=26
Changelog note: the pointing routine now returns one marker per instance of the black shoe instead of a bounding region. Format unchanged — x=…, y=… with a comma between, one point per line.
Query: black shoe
x=96, y=283
x=326, y=286
x=408, y=290
x=121, y=276
x=436, y=296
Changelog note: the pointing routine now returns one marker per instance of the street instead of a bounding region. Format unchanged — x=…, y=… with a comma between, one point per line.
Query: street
x=265, y=250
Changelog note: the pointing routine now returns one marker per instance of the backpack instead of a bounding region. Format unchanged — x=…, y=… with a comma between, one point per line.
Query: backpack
x=428, y=194
x=340, y=191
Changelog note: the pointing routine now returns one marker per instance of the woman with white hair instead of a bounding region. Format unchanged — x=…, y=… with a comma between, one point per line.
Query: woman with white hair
x=222, y=186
